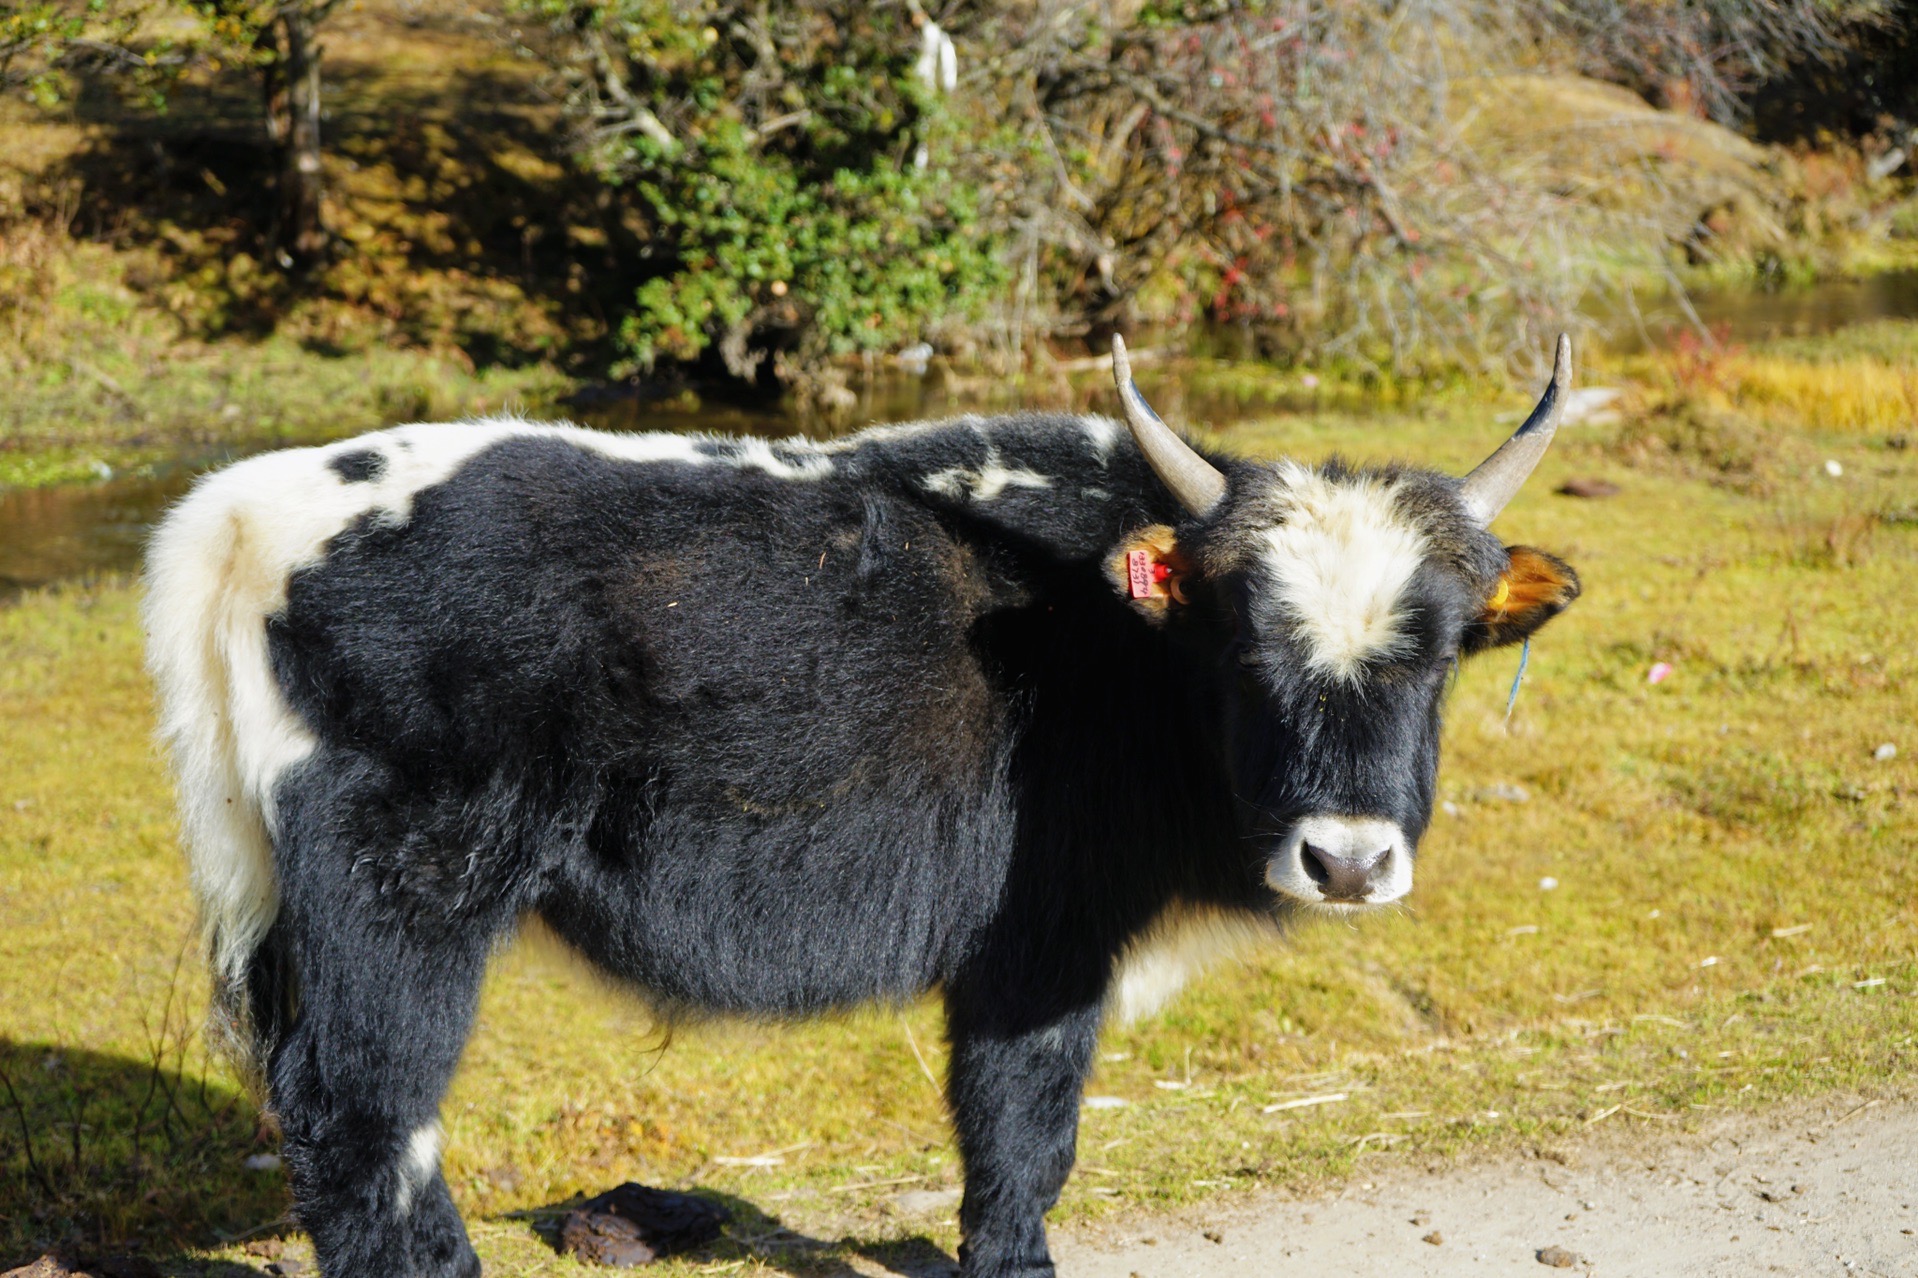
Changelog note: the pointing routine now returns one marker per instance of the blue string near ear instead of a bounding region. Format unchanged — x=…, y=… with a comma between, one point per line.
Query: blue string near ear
x=1524, y=656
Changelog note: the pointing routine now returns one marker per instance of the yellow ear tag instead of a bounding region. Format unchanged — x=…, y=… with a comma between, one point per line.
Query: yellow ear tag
x=1500, y=597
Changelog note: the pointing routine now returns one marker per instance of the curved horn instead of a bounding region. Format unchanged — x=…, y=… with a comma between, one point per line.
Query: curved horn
x=1195, y=481
x=1497, y=479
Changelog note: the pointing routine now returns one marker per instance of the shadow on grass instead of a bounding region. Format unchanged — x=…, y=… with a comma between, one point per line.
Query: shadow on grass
x=103, y=1155
x=753, y=1234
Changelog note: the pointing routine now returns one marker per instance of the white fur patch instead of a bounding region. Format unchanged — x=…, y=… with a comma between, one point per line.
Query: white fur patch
x=1102, y=433
x=1181, y=944
x=991, y=479
x=418, y=1163
x=218, y=567
x=1340, y=560
x=803, y=460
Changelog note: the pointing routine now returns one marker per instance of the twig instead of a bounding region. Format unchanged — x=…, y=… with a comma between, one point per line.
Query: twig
x=26, y=1133
x=1304, y=1101
x=1854, y=1113
x=874, y=1184
x=919, y=1056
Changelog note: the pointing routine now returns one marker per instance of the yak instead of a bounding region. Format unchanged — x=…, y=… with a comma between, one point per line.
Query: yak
x=1036, y=711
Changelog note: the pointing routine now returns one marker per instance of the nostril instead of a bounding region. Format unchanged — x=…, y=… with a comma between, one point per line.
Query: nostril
x=1313, y=860
x=1346, y=878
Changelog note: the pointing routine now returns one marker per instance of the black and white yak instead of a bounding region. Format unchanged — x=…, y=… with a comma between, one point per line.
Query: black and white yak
x=1037, y=711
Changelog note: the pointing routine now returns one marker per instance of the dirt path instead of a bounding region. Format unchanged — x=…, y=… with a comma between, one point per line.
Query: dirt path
x=1831, y=1189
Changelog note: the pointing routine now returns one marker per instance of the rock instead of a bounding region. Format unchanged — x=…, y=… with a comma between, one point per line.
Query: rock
x=635, y=1225
x=261, y=1162
x=1558, y=1257
x=52, y=1266
x=1435, y=1238
x=287, y=1267
x=1592, y=405
x=45, y=1267
x=1885, y=753
x=1591, y=489
x=925, y=1202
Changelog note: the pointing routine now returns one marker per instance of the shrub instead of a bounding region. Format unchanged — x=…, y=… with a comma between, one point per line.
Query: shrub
x=790, y=169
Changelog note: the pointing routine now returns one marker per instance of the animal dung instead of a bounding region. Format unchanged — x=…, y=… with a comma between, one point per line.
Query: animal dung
x=1557, y=1257
x=1591, y=489
x=635, y=1224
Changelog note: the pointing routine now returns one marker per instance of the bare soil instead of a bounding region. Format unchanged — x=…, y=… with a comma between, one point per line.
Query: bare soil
x=1811, y=1190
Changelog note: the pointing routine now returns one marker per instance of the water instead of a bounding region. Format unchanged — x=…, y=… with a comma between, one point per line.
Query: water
x=55, y=534
x=75, y=531
x=1743, y=315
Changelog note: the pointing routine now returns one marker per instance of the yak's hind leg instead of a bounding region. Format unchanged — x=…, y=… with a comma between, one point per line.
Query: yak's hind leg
x=387, y=942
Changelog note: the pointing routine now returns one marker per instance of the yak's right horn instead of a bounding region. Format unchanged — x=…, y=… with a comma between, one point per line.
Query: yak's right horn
x=1195, y=481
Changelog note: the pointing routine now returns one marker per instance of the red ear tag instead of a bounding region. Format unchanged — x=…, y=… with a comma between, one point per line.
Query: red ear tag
x=1138, y=570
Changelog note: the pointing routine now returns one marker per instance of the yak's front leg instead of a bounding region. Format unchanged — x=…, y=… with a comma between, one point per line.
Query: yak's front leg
x=1014, y=1086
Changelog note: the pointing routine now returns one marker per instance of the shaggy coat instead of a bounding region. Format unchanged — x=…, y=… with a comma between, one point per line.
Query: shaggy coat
x=773, y=729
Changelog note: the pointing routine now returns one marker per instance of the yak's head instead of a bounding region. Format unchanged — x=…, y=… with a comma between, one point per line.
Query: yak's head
x=1333, y=603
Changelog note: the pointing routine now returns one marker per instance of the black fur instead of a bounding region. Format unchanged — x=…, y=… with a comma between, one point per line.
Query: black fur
x=771, y=746
x=360, y=467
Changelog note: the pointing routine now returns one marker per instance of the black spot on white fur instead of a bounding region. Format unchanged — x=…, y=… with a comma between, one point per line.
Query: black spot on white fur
x=361, y=466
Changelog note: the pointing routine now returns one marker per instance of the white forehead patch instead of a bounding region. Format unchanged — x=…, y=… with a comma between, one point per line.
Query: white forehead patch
x=1339, y=562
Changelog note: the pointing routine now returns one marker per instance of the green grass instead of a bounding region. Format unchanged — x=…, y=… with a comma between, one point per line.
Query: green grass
x=96, y=381
x=1734, y=922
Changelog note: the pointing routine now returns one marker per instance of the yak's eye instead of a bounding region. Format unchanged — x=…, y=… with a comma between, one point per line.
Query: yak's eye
x=1248, y=659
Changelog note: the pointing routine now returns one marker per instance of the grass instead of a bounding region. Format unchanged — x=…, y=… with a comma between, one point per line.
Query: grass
x=1733, y=922
x=97, y=382
x=1861, y=380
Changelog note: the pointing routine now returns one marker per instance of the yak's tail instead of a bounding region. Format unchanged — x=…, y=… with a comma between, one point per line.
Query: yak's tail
x=216, y=570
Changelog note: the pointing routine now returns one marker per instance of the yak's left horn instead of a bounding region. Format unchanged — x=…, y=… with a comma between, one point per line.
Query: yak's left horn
x=1497, y=479
x=1195, y=481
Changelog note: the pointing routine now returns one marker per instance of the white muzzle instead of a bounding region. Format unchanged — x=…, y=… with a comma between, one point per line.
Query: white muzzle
x=1343, y=861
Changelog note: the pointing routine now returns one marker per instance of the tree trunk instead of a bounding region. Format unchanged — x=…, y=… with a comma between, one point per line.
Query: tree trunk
x=292, y=87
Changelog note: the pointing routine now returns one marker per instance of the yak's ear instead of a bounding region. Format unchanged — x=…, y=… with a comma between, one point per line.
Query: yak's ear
x=1534, y=588
x=1149, y=569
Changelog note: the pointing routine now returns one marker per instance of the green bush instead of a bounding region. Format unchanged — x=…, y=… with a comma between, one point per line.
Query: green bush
x=789, y=171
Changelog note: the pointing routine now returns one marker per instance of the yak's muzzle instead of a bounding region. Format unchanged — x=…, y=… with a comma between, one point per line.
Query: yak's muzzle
x=1342, y=861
